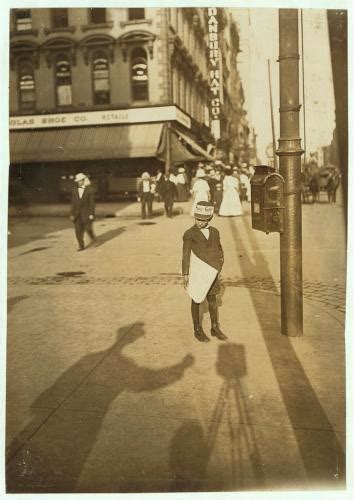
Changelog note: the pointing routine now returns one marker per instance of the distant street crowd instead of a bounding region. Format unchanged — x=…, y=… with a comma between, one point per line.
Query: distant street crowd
x=225, y=186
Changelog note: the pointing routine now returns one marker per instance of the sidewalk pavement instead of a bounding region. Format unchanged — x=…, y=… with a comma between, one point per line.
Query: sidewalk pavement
x=108, y=391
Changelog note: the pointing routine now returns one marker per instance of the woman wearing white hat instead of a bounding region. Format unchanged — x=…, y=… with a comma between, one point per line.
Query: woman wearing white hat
x=200, y=189
x=182, y=188
x=231, y=204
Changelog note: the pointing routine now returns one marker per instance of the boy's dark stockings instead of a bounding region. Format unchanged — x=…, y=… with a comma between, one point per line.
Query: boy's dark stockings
x=213, y=312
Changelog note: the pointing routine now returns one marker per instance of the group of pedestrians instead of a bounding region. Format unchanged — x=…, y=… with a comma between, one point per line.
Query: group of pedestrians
x=224, y=186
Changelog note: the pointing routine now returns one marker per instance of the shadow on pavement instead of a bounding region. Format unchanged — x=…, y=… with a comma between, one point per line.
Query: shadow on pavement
x=23, y=230
x=191, y=450
x=50, y=453
x=11, y=302
x=321, y=453
x=109, y=235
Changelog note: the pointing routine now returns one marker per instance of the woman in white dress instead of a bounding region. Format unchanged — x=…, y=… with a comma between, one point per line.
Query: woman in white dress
x=200, y=189
x=231, y=204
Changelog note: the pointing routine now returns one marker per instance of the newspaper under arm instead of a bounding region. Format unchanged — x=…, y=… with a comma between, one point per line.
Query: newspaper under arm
x=201, y=277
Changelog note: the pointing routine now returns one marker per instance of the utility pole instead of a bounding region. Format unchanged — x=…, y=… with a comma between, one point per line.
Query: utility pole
x=338, y=40
x=289, y=153
x=169, y=82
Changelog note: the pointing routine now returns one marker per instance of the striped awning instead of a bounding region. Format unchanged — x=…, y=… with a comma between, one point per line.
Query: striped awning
x=195, y=147
x=86, y=143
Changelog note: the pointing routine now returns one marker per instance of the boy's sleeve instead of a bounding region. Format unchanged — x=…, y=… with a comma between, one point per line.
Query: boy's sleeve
x=187, y=247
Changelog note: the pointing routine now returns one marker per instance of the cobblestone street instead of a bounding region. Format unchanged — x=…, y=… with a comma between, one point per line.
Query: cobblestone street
x=108, y=391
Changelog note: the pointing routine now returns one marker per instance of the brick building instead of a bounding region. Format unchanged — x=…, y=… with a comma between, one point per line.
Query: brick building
x=110, y=91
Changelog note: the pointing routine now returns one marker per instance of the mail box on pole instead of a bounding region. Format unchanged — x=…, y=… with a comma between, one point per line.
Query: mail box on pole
x=267, y=200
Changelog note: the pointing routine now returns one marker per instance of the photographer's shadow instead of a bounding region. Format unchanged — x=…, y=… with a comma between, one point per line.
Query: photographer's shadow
x=50, y=453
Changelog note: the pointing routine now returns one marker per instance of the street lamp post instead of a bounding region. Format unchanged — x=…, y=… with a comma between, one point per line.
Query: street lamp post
x=289, y=153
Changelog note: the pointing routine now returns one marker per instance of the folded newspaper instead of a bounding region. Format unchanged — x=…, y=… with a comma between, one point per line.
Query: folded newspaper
x=201, y=277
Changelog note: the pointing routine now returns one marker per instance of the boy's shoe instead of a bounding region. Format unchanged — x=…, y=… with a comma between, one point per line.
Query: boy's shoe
x=200, y=335
x=216, y=332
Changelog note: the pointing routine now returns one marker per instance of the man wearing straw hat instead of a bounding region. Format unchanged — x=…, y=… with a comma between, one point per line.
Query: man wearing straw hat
x=83, y=209
x=202, y=261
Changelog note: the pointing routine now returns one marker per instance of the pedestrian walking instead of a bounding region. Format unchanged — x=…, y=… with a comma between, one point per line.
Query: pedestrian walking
x=169, y=194
x=160, y=180
x=245, y=184
x=202, y=261
x=200, y=189
x=83, y=209
x=231, y=204
x=332, y=185
x=182, y=186
x=218, y=194
x=146, y=195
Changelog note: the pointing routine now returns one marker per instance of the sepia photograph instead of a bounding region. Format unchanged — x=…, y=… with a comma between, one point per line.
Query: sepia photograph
x=175, y=197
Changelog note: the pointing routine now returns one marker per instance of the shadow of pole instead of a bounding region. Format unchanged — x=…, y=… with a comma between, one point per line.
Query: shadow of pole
x=324, y=461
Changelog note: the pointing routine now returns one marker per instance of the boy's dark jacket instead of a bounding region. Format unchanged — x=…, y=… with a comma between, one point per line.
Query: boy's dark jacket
x=208, y=250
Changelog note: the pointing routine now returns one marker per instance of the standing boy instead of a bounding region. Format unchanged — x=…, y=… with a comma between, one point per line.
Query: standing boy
x=202, y=261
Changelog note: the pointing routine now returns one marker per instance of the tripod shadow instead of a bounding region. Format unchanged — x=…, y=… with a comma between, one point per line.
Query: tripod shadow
x=191, y=449
x=232, y=410
x=50, y=453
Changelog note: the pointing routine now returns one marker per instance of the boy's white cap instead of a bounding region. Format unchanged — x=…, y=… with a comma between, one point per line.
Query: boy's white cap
x=204, y=210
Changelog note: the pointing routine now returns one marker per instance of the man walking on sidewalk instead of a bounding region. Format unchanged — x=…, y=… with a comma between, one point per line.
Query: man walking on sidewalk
x=202, y=261
x=83, y=209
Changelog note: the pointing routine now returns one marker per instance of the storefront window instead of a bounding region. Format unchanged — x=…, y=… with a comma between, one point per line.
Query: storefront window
x=139, y=75
x=60, y=18
x=23, y=19
x=26, y=86
x=97, y=16
x=63, y=81
x=134, y=14
x=100, y=71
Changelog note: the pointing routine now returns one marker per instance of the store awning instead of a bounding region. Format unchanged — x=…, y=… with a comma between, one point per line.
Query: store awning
x=195, y=147
x=86, y=143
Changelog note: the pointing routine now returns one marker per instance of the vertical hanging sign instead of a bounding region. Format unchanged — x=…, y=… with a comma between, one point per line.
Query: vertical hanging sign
x=214, y=70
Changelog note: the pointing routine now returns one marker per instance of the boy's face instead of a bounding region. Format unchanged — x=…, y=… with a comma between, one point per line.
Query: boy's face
x=201, y=224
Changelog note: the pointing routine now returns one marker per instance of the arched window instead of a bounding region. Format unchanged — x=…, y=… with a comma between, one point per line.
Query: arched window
x=63, y=80
x=26, y=85
x=139, y=75
x=100, y=76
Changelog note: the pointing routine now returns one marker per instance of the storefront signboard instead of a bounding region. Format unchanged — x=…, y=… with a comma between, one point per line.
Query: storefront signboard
x=107, y=117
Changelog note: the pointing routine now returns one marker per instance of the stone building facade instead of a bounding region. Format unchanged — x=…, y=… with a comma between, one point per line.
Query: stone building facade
x=112, y=89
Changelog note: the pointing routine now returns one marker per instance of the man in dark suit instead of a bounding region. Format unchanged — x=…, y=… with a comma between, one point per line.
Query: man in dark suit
x=83, y=209
x=202, y=261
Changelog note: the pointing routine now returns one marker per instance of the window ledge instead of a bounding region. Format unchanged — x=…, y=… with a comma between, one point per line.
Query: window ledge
x=93, y=26
x=24, y=32
x=63, y=29
x=135, y=21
